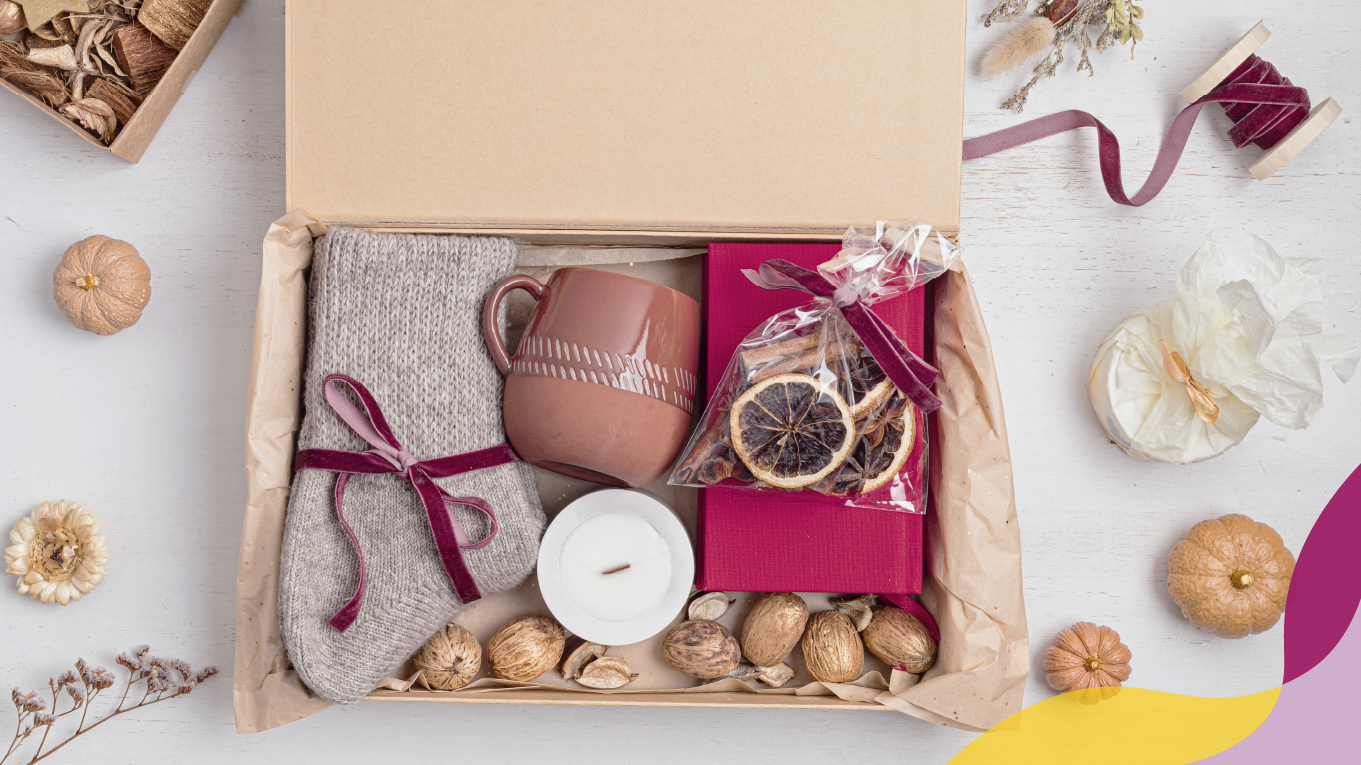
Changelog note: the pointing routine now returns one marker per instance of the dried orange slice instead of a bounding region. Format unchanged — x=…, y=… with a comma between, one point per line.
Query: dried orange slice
x=791, y=430
x=882, y=449
x=869, y=387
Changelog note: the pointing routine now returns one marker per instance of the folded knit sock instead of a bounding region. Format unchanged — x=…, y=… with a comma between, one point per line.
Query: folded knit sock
x=401, y=314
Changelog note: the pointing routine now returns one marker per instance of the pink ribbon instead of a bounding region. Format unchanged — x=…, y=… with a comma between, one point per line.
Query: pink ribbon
x=388, y=456
x=1263, y=105
x=913, y=376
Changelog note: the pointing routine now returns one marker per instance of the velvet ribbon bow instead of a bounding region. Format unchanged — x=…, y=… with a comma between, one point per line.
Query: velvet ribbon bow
x=388, y=456
x=913, y=376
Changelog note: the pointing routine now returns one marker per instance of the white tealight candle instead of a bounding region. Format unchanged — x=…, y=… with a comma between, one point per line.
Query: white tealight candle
x=616, y=566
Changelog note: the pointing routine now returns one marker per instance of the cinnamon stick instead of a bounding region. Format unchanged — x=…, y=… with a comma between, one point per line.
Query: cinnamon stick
x=173, y=21
x=143, y=56
x=797, y=355
x=704, y=448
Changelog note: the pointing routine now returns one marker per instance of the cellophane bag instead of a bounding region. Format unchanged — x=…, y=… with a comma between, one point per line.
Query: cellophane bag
x=805, y=404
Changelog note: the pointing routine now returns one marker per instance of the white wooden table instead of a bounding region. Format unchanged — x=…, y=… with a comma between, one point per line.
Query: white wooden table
x=146, y=427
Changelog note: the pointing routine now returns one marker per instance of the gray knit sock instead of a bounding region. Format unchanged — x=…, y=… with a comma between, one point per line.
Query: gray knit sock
x=401, y=314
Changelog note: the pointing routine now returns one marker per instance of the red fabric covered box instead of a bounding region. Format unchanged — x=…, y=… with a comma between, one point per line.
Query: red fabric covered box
x=796, y=542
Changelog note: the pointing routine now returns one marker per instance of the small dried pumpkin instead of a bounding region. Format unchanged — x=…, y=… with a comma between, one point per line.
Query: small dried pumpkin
x=102, y=285
x=1089, y=659
x=1230, y=575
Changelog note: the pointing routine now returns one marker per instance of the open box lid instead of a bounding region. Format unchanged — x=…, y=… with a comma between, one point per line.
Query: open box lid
x=732, y=119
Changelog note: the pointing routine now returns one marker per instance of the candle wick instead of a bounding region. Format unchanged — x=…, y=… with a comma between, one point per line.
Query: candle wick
x=621, y=568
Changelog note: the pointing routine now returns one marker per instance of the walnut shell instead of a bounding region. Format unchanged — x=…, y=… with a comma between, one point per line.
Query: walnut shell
x=577, y=654
x=450, y=659
x=607, y=673
x=702, y=649
x=900, y=640
x=708, y=605
x=525, y=648
x=832, y=649
x=102, y=285
x=773, y=627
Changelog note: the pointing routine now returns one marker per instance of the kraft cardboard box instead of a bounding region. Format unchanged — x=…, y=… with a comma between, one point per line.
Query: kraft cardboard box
x=626, y=136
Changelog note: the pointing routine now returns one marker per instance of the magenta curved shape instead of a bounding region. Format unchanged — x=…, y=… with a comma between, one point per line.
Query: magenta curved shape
x=1325, y=588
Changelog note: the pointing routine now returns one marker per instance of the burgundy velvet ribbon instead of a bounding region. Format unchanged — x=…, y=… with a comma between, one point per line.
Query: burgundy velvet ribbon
x=1264, y=106
x=388, y=456
x=907, y=371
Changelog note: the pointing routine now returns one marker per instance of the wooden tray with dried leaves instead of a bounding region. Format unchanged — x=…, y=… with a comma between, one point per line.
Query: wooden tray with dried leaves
x=98, y=67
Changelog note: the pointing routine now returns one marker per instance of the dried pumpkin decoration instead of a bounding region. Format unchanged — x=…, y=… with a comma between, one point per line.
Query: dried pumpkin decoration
x=1230, y=575
x=102, y=285
x=1088, y=659
x=791, y=430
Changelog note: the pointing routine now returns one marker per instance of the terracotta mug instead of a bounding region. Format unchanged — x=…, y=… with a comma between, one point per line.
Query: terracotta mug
x=602, y=384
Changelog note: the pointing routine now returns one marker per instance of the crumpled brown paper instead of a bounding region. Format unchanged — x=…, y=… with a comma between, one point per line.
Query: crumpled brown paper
x=973, y=583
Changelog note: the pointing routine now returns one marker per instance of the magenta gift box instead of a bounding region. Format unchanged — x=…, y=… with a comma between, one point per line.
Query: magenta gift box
x=796, y=542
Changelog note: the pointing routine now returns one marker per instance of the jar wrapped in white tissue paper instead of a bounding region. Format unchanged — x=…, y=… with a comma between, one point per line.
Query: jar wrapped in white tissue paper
x=1243, y=339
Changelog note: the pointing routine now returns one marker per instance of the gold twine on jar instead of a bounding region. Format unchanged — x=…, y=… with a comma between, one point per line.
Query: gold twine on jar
x=1200, y=397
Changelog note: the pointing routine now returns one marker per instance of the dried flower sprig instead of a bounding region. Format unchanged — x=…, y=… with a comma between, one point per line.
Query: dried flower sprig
x=1055, y=24
x=164, y=679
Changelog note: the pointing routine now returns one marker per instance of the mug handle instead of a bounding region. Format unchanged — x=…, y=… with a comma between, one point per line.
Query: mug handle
x=491, y=332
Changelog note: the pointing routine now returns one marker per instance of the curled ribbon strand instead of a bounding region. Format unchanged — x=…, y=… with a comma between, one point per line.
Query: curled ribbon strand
x=910, y=373
x=1263, y=105
x=388, y=456
x=1201, y=400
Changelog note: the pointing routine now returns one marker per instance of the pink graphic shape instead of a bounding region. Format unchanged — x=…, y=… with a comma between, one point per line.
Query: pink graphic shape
x=1325, y=590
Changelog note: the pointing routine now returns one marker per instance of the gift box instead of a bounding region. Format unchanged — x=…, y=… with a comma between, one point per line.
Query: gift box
x=134, y=137
x=627, y=136
x=809, y=542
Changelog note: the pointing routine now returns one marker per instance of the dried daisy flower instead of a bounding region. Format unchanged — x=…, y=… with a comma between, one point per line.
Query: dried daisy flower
x=56, y=553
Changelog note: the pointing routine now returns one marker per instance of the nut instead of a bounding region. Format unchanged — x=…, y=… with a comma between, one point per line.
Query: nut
x=605, y=673
x=832, y=649
x=11, y=17
x=449, y=660
x=773, y=627
x=900, y=640
x=703, y=649
x=577, y=654
x=525, y=648
x=708, y=605
x=775, y=676
x=860, y=609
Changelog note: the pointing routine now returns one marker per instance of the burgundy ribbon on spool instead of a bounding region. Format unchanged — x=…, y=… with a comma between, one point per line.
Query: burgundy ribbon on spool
x=1264, y=106
x=907, y=371
x=388, y=456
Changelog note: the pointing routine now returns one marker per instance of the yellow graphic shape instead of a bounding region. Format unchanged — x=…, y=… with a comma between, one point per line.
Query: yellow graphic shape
x=1134, y=725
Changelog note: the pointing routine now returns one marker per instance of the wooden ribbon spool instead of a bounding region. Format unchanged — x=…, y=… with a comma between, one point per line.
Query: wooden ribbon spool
x=1320, y=117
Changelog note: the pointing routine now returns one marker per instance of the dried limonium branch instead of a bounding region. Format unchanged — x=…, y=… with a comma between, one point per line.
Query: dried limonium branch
x=1054, y=25
x=158, y=680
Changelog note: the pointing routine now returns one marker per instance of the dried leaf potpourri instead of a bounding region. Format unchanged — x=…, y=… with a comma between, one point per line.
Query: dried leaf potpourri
x=94, y=66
